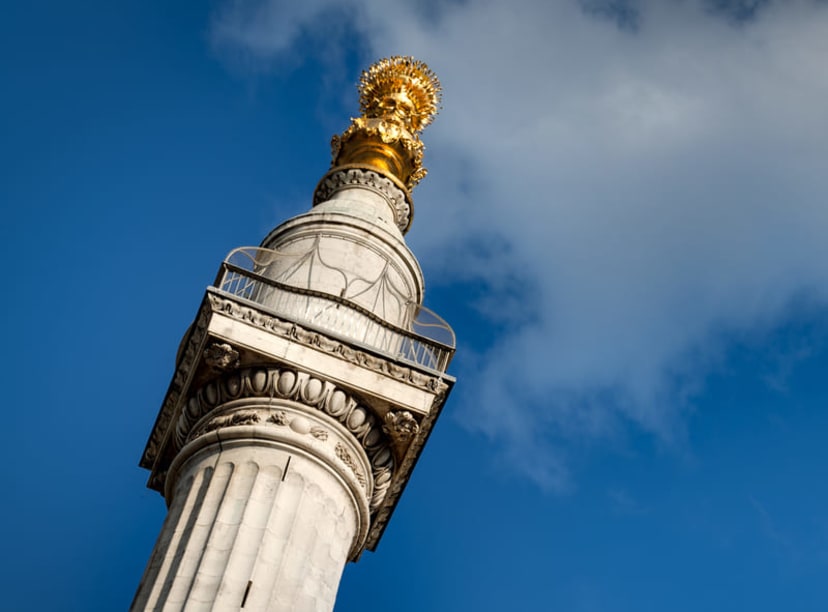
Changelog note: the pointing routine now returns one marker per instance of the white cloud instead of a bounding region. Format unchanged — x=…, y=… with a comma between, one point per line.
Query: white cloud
x=658, y=185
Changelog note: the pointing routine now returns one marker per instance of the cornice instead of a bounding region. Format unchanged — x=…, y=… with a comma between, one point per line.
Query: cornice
x=320, y=341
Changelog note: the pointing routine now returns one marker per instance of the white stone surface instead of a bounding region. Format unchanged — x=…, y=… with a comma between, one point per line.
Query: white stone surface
x=363, y=380
x=255, y=524
x=350, y=247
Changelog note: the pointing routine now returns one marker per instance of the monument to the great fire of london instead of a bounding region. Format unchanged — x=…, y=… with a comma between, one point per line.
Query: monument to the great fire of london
x=307, y=385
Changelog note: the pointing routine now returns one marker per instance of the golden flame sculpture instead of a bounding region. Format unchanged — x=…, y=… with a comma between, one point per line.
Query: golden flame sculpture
x=399, y=96
x=400, y=89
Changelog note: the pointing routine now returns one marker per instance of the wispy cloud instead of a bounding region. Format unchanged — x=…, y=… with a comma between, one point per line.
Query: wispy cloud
x=769, y=528
x=651, y=187
x=623, y=502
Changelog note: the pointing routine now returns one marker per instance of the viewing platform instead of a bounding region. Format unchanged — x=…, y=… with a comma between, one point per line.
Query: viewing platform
x=422, y=338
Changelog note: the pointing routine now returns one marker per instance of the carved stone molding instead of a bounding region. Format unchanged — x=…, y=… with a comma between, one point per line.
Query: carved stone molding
x=184, y=368
x=268, y=384
x=348, y=459
x=249, y=417
x=296, y=422
x=320, y=341
x=349, y=177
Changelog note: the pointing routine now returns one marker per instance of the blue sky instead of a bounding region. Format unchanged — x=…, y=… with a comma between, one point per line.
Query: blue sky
x=624, y=221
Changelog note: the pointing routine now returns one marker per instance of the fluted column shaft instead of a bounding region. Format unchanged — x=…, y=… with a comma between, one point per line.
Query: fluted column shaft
x=255, y=522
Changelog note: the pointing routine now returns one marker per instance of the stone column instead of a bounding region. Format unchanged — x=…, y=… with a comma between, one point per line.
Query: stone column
x=268, y=500
x=308, y=384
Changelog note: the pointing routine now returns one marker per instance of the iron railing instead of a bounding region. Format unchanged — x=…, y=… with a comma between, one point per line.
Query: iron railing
x=427, y=340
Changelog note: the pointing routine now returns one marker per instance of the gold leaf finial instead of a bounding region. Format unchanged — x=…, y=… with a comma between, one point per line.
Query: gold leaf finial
x=401, y=89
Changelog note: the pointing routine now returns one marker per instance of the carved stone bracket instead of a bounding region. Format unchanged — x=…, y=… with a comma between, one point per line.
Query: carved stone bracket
x=341, y=178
